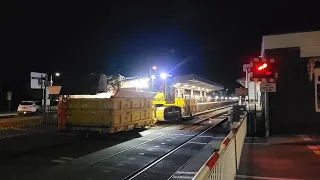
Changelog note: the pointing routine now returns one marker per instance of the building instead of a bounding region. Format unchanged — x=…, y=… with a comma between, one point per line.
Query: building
x=294, y=108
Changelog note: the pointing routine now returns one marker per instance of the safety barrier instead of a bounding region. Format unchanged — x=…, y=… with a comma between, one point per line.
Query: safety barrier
x=223, y=165
x=23, y=125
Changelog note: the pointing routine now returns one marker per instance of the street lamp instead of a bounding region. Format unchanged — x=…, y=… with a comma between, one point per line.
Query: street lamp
x=163, y=75
x=56, y=74
x=152, y=77
x=153, y=68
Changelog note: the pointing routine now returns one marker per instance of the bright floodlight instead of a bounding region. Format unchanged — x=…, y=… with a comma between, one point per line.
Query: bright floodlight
x=154, y=67
x=57, y=74
x=163, y=75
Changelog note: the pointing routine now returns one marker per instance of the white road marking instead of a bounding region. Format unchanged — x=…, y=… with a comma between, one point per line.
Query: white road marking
x=197, y=143
x=182, y=177
x=210, y=137
x=58, y=161
x=307, y=139
x=182, y=135
x=185, y=172
x=67, y=158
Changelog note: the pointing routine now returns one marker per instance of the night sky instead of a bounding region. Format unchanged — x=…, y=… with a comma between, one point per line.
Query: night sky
x=209, y=38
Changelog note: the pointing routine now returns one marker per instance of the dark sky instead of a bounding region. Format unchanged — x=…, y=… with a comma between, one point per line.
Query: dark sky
x=211, y=38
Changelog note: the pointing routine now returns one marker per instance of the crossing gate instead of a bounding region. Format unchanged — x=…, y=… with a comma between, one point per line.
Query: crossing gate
x=223, y=165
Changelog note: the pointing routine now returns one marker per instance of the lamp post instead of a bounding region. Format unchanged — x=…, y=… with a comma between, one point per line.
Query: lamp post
x=152, y=79
x=56, y=74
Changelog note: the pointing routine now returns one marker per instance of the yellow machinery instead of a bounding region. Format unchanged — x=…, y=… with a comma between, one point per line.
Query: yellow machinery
x=180, y=107
x=135, y=104
x=167, y=106
x=123, y=111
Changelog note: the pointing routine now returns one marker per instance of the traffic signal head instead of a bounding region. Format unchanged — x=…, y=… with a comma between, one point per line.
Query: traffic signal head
x=263, y=69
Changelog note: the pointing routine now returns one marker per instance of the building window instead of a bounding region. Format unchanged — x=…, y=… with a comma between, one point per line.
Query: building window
x=317, y=89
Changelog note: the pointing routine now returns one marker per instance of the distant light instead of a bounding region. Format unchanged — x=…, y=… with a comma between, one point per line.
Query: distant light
x=229, y=97
x=197, y=97
x=221, y=97
x=193, y=86
x=154, y=67
x=57, y=74
x=178, y=84
x=209, y=97
x=153, y=77
x=163, y=75
x=217, y=97
x=186, y=85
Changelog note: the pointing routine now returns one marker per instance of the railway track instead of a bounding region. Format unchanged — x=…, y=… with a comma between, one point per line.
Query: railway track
x=142, y=160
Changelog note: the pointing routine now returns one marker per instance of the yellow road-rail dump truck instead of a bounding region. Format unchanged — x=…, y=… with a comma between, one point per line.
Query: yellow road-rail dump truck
x=121, y=104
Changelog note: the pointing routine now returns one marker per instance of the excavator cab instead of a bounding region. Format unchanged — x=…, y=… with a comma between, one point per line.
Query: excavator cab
x=164, y=101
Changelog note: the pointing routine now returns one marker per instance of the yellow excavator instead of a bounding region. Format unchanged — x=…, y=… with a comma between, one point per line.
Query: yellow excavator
x=167, y=107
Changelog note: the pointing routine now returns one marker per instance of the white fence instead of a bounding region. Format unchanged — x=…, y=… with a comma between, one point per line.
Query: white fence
x=223, y=165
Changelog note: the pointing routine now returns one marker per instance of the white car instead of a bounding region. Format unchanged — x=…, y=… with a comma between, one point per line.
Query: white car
x=27, y=107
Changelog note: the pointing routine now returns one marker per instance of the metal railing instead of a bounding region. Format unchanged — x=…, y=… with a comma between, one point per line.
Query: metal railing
x=223, y=165
x=22, y=125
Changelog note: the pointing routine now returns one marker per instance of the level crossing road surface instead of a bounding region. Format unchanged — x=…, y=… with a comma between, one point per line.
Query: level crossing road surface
x=108, y=162
x=281, y=158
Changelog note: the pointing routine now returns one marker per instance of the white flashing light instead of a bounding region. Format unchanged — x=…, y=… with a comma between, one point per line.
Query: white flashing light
x=163, y=76
x=57, y=74
x=221, y=97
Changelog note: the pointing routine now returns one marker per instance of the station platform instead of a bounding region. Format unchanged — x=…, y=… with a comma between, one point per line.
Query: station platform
x=280, y=158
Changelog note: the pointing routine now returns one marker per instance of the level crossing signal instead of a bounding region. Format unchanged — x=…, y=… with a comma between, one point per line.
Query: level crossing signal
x=263, y=70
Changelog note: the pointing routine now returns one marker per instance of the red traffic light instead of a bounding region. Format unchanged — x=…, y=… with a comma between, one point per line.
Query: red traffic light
x=263, y=70
x=263, y=66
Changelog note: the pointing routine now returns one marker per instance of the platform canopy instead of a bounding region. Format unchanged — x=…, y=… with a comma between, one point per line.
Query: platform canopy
x=195, y=82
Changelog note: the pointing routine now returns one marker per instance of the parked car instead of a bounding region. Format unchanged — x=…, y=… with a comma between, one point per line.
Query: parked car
x=29, y=107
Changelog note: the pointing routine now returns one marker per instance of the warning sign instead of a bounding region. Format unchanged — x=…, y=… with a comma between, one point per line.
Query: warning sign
x=241, y=91
x=268, y=87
